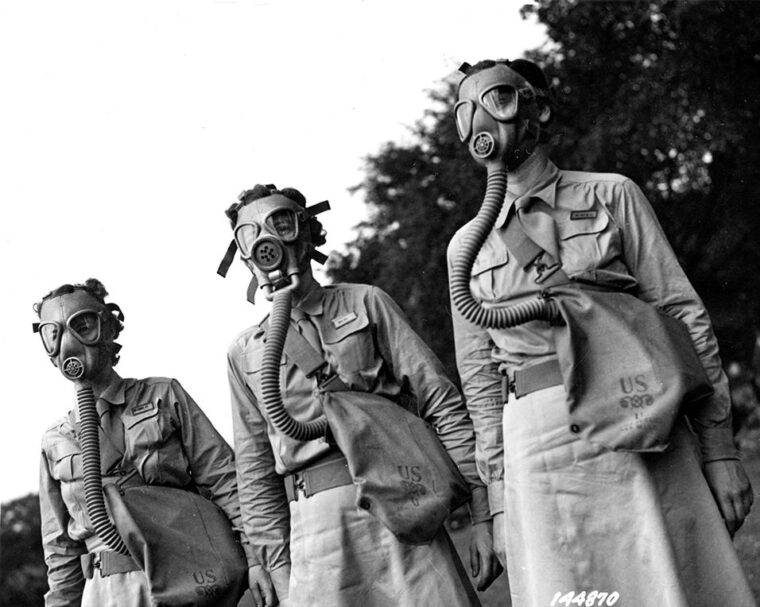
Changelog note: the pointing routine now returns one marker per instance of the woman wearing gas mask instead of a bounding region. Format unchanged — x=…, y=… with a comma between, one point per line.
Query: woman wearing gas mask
x=305, y=507
x=601, y=493
x=139, y=431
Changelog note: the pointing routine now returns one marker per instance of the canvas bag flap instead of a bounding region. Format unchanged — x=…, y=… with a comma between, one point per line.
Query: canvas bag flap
x=629, y=369
x=402, y=473
x=183, y=542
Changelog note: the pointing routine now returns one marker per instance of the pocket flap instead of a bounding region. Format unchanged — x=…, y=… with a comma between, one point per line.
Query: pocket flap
x=252, y=361
x=139, y=413
x=582, y=221
x=62, y=449
x=342, y=326
x=488, y=262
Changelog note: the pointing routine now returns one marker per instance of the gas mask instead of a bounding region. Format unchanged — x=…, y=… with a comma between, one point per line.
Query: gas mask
x=273, y=237
x=74, y=332
x=498, y=116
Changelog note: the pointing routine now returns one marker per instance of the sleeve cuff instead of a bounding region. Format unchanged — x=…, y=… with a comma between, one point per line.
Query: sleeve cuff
x=479, y=508
x=250, y=554
x=496, y=497
x=717, y=444
x=281, y=581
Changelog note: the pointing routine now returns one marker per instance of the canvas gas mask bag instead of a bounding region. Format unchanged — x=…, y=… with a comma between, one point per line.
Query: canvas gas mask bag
x=402, y=473
x=182, y=541
x=629, y=369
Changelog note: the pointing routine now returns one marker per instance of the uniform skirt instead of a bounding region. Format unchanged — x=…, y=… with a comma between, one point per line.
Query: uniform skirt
x=343, y=556
x=642, y=528
x=128, y=589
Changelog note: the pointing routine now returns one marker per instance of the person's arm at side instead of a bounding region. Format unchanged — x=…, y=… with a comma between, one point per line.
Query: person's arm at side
x=263, y=504
x=414, y=365
x=662, y=282
x=62, y=554
x=213, y=469
x=482, y=390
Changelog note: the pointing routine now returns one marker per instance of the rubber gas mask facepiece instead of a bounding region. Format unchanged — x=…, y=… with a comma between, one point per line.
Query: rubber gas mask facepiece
x=499, y=114
x=77, y=333
x=275, y=234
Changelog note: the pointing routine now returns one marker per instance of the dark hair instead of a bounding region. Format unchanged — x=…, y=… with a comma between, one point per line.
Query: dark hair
x=113, y=324
x=316, y=231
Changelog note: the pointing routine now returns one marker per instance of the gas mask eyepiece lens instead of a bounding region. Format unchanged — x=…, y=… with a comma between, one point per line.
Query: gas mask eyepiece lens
x=50, y=332
x=463, y=112
x=501, y=101
x=284, y=223
x=83, y=325
x=245, y=236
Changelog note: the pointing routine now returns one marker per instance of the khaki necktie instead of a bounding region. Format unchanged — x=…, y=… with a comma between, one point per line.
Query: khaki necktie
x=307, y=329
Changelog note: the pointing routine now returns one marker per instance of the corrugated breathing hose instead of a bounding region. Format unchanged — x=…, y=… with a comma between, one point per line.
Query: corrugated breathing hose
x=93, y=488
x=279, y=320
x=470, y=245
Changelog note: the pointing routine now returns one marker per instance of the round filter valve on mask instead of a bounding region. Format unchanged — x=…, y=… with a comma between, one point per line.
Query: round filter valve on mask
x=73, y=368
x=483, y=145
x=267, y=254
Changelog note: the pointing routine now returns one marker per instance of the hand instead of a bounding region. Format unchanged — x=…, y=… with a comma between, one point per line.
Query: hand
x=484, y=565
x=500, y=538
x=732, y=491
x=261, y=587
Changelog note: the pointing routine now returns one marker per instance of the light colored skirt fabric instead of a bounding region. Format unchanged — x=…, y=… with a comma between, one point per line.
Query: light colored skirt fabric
x=128, y=589
x=343, y=556
x=580, y=518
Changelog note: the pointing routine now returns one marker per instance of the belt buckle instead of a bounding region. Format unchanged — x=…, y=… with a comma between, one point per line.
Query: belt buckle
x=299, y=484
x=507, y=387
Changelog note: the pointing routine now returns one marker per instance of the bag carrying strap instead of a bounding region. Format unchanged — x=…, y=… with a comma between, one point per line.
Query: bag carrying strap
x=308, y=359
x=527, y=253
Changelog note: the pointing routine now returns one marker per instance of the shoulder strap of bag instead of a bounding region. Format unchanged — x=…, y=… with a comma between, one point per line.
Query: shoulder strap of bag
x=307, y=359
x=526, y=251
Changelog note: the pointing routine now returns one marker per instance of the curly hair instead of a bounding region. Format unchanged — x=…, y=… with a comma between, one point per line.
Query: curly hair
x=113, y=324
x=316, y=231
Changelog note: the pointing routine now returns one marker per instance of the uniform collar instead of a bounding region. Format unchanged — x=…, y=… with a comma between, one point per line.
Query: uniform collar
x=115, y=394
x=312, y=303
x=536, y=178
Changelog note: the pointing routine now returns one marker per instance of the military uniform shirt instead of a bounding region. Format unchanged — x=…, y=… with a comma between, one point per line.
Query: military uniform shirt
x=165, y=436
x=596, y=224
x=367, y=340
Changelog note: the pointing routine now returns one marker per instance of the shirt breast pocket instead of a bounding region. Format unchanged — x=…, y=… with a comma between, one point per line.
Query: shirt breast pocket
x=350, y=345
x=154, y=445
x=65, y=462
x=252, y=367
x=486, y=275
x=586, y=241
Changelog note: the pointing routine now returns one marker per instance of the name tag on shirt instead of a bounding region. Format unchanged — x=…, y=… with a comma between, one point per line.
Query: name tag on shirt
x=583, y=214
x=343, y=320
x=137, y=409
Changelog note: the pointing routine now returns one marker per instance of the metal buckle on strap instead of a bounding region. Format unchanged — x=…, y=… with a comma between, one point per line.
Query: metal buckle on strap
x=544, y=272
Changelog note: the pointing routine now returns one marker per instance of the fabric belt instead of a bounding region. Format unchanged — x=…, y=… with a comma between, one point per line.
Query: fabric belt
x=327, y=473
x=108, y=562
x=531, y=379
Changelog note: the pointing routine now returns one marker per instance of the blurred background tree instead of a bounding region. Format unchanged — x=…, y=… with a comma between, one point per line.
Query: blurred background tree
x=663, y=92
x=23, y=579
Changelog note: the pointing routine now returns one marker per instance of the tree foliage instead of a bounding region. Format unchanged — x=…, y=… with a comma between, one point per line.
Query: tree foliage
x=665, y=93
x=23, y=579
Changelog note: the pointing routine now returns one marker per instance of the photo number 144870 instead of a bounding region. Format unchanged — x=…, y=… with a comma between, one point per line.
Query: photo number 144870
x=594, y=598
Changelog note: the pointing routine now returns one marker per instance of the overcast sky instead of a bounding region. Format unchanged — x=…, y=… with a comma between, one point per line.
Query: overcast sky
x=127, y=128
